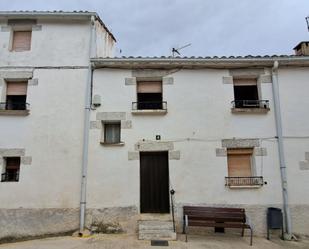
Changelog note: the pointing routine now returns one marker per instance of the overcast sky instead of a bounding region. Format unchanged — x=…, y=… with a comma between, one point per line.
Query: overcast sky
x=213, y=27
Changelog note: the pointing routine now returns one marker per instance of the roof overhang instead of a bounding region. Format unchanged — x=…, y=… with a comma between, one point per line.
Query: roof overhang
x=199, y=63
x=54, y=15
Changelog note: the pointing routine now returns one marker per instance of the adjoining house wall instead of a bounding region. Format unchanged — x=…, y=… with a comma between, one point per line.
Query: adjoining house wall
x=46, y=198
x=49, y=139
x=55, y=44
x=104, y=42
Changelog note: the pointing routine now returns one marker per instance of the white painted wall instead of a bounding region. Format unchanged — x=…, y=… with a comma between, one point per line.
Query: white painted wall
x=198, y=108
x=59, y=43
x=52, y=136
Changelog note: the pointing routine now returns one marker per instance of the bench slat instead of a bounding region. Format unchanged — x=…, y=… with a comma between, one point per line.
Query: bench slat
x=215, y=224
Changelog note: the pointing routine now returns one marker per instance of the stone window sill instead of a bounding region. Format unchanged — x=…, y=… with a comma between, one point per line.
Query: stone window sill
x=246, y=187
x=112, y=144
x=14, y=112
x=250, y=110
x=149, y=112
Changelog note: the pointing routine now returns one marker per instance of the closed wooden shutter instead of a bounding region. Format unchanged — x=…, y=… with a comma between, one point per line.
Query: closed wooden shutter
x=21, y=41
x=12, y=162
x=16, y=88
x=244, y=82
x=239, y=162
x=149, y=87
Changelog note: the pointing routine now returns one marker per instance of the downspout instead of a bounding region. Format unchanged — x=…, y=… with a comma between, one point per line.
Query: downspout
x=86, y=130
x=286, y=209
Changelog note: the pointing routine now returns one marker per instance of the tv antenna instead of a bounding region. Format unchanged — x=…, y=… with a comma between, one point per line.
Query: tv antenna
x=176, y=50
x=307, y=20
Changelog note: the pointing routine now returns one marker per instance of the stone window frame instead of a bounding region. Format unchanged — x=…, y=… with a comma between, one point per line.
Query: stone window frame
x=152, y=146
x=110, y=117
x=14, y=152
x=261, y=75
x=15, y=75
x=150, y=75
x=20, y=25
x=243, y=143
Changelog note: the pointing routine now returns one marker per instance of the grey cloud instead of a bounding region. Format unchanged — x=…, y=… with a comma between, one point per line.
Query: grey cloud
x=222, y=27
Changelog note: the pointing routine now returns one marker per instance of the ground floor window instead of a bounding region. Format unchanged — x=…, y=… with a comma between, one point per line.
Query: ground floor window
x=11, y=169
x=239, y=162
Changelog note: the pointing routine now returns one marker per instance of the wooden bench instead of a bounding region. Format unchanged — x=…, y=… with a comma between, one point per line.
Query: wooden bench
x=215, y=217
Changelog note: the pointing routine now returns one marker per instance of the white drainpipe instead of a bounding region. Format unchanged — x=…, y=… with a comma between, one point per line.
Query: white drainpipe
x=286, y=209
x=86, y=130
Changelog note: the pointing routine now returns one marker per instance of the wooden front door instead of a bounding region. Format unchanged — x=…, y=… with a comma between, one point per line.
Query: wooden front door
x=154, y=182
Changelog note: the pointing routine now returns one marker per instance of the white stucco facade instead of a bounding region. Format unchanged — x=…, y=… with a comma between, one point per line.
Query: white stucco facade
x=196, y=131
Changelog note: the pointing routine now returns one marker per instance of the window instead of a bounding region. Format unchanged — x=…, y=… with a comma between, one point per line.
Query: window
x=21, y=41
x=246, y=93
x=240, y=169
x=149, y=95
x=16, y=95
x=112, y=133
x=11, y=170
x=239, y=162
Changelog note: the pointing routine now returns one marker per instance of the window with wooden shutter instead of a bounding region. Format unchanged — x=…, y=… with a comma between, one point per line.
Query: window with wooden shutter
x=149, y=95
x=246, y=93
x=16, y=95
x=21, y=41
x=149, y=87
x=16, y=88
x=112, y=133
x=239, y=162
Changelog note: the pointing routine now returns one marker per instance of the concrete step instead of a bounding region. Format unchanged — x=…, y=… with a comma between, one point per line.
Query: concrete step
x=164, y=217
x=156, y=230
x=155, y=225
x=163, y=235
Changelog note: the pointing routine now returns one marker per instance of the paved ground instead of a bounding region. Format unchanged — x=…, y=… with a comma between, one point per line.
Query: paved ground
x=126, y=241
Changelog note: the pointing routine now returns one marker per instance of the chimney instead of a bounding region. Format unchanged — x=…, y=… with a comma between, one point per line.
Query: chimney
x=302, y=48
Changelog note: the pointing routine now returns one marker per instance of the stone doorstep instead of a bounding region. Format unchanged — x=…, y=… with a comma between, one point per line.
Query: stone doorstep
x=156, y=230
x=155, y=217
x=165, y=235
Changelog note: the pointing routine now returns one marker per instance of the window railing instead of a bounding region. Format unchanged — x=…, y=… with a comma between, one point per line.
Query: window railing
x=149, y=105
x=244, y=181
x=14, y=106
x=250, y=104
x=10, y=177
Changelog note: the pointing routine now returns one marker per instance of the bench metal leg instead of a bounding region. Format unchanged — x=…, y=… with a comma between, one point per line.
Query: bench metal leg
x=251, y=234
x=243, y=232
x=183, y=225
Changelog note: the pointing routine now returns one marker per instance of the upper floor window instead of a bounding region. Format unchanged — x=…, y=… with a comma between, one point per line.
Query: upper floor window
x=21, y=41
x=16, y=95
x=247, y=94
x=11, y=169
x=149, y=95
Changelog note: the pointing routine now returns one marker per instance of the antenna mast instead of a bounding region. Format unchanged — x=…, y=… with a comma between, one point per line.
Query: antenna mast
x=176, y=50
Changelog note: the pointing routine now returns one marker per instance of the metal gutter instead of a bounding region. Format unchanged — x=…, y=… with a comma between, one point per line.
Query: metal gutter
x=83, y=193
x=200, y=62
x=284, y=182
